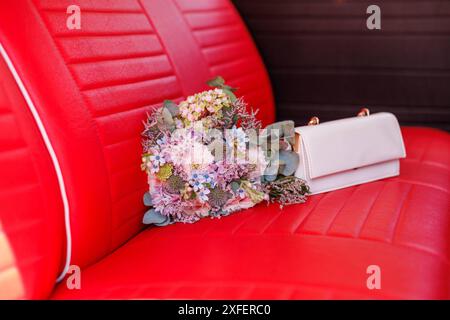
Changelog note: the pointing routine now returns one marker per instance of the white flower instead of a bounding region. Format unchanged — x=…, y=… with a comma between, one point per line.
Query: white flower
x=154, y=168
x=241, y=193
x=162, y=141
x=236, y=138
x=207, y=178
x=157, y=159
x=203, y=195
x=196, y=176
x=197, y=186
x=257, y=157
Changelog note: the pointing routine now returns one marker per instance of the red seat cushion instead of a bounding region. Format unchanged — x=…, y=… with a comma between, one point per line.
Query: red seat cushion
x=320, y=249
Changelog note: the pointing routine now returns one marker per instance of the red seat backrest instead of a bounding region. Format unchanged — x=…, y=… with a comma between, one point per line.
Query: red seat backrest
x=92, y=88
x=31, y=210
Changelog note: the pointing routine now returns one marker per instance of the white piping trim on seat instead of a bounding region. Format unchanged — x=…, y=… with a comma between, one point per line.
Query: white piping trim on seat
x=53, y=156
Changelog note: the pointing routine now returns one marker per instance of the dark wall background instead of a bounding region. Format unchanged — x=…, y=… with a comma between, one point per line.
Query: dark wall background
x=324, y=61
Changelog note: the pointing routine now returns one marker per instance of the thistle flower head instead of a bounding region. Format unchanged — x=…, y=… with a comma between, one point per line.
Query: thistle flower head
x=174, y=184
x=218, y=197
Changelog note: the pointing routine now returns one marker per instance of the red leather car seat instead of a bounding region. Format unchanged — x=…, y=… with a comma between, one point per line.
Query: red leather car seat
x=92, y=88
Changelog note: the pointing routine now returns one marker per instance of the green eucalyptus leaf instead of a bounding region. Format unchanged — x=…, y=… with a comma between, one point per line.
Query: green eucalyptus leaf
x=165, y=120
x=230, y=94
x=154, y=217
x=270, y=178
x=272, y=168
x=290, y=160
x=165, y=223
x=216, y=82
x=172, y=107
x=288, y=128
x=148, y=199
x=235, y=185
x=227, y=87
x=281, y=129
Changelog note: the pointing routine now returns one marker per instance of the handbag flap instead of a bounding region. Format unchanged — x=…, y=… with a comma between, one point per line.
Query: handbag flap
x=350, y=143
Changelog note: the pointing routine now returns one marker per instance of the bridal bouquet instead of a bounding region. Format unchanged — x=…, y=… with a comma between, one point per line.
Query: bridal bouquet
x=208, y=157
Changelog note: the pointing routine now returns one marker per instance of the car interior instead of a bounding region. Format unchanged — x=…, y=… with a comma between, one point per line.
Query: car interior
x=72, y=106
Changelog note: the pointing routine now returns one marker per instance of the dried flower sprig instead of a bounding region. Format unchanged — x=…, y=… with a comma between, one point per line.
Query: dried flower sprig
x=288, y=190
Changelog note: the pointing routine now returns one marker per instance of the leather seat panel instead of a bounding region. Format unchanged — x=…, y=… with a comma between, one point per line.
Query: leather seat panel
x=320, y=249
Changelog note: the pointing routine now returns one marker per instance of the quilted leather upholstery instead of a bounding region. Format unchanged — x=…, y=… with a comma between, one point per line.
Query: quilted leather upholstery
x=92, y=88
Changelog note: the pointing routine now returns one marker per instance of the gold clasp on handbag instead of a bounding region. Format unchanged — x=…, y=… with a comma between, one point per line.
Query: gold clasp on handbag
x=314, y=121
x=364, y=112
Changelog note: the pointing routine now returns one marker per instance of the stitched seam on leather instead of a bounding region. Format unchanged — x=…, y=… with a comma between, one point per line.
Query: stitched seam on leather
x=398, y=217
x=297, y=229
x=116, y=83
x=126, y=108
x=271, y=222
x=250, y=286
x=347, y=200
x=229, y=45
x=207, y=10
x=99, y=34
x=165, y=75
x=87, y=60
x=241, y=224
x=429, y=163
x=217, y=26
x=221, y=45
x=425, y=150
x=358, y=232
x=422, y=184
x=93, y=10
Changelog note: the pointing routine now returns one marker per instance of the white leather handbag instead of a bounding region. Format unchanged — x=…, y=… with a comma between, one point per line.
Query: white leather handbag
x=347, y=152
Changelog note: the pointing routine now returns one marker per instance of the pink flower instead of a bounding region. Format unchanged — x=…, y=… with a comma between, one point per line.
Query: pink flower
x=237, y=204
x=196, y=207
